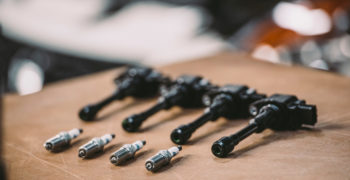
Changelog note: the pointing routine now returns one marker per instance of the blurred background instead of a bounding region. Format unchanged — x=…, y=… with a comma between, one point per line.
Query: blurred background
x=43, y=41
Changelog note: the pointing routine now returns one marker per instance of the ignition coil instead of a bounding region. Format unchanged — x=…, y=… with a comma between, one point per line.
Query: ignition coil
x=162, y=158
x=62, y=139
x=278, y=112
x=94, y=146
x=186, y=91
x=139, y=82
x=126, y=152
x=229, y=101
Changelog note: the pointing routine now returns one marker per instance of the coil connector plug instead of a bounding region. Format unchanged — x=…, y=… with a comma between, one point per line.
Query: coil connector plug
x=138, y=82
x=94, y=146
x=62, y=139
x=229, y=101
x=126, y=152
x=162, y=158
x=186, y=91
x=278, y=112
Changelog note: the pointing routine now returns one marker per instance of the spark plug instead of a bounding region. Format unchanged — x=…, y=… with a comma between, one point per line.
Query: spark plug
x=94, y=146
x=138, y=82
x=229, y=101
x=62, y=139
x=126, y=152
x=162, y=158
x=186, y=91
x=278, y=112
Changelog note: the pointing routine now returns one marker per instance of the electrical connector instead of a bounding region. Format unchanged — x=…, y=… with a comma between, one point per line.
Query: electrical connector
x=139, y=82
x=229, y=101
x=186, y=91
x=278, y=112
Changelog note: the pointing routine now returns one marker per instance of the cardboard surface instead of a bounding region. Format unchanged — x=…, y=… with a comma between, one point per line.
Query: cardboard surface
x=321, y=153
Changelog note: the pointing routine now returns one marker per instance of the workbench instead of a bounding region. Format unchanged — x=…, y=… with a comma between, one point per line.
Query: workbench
x=322, y=152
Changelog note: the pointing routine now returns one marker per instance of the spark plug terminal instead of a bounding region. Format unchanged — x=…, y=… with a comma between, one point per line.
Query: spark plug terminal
x=126, y=152
x=62, y=139
x=162, y=158
x=94, y=146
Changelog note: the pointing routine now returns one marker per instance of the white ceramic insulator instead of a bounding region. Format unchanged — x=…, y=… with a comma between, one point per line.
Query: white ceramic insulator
x=107, y=138
x=74, y=133
x=173, y=150
x=138, y=145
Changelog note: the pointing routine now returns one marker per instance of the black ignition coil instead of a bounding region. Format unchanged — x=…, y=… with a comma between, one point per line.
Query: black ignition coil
x=139, y=82
x=278, y=112
x=229, y=101
x=186, y=91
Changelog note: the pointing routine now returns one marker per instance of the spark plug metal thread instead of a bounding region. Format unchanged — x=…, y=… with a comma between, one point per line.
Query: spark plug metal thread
x=94, y=146
x=62, y=139
x=162, y=158
x=126, y=152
